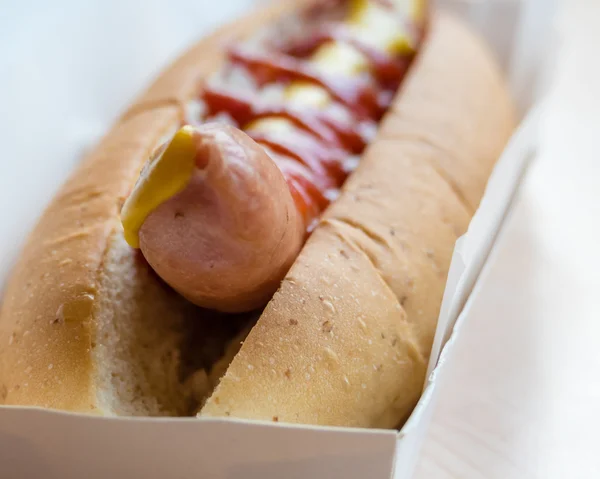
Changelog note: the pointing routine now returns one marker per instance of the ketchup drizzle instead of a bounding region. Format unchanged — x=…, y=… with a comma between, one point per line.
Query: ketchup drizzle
x=356, y=94
x=387, y=69
x=326, y=163
x=312, y=157
x=330, y=130
x=309, y=197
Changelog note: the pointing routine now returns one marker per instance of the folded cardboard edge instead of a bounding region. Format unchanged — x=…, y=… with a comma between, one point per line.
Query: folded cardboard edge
x=411, y=436
x=473, y=248
x=68, y=445
x=449, y=343
x=523, y=140
x=39, y=411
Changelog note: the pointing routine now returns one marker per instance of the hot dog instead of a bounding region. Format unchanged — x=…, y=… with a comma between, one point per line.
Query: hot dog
x=358, y=253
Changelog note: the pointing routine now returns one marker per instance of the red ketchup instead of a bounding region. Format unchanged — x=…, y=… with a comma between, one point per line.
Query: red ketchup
x=356, y=94
x=326, y=127
x=386, y=69
x=313, y=156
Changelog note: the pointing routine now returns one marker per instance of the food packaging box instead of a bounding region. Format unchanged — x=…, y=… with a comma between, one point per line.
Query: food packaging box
x=90, y=74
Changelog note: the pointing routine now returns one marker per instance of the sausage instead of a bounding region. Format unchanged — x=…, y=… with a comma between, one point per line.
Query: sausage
x=228, y=237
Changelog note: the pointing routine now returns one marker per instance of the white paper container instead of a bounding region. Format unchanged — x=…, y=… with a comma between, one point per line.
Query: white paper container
x=88, y=82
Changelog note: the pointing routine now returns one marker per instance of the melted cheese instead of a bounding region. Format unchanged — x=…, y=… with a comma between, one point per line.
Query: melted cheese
x=371, y=23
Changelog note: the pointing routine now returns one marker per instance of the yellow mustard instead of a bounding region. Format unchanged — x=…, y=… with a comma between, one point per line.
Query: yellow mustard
x=164, y=177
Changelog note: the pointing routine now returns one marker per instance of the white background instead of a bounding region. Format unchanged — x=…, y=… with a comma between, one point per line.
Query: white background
x=522, y=399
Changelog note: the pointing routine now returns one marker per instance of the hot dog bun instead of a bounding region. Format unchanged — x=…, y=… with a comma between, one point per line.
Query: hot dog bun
x=87, y=327
x=347, y=338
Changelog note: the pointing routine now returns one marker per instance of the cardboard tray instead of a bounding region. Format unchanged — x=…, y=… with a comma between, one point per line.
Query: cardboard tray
x=36, y=442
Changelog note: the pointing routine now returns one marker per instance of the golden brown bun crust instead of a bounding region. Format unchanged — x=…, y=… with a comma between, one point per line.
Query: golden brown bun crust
x=46, y=327
x=346, y=339
x=48, y=319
